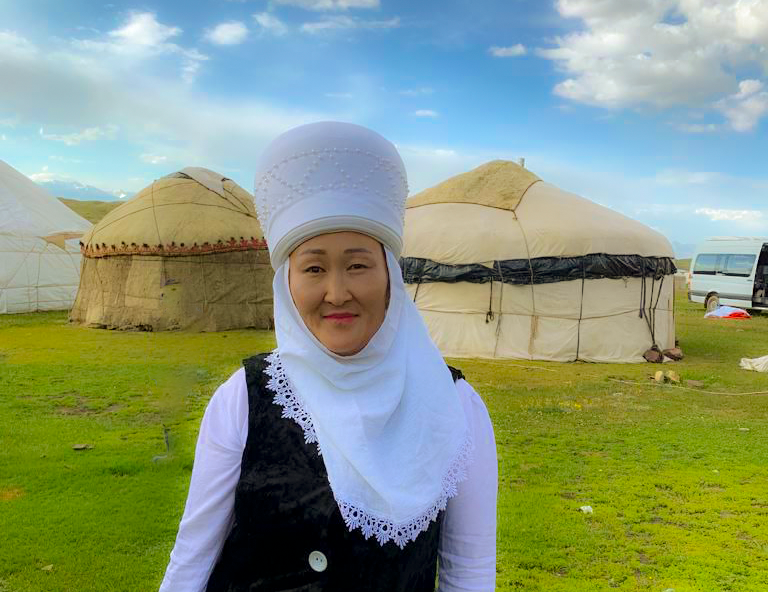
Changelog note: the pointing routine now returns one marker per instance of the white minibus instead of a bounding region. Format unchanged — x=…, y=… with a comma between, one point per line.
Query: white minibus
x=730, y=270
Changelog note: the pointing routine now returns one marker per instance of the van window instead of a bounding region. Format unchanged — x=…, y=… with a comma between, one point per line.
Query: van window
x=738, y=265
x=706, y=264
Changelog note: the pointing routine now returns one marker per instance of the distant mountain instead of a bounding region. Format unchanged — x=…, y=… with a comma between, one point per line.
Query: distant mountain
x=75, y=190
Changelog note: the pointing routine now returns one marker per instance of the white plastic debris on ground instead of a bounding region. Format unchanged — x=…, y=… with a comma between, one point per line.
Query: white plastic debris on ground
x=727, y=312
x=756, y=364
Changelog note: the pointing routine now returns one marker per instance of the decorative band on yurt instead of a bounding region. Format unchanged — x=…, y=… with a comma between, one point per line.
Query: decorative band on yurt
x=95, y=250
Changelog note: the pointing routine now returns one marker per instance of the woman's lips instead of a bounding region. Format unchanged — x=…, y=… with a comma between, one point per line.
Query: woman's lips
x=341, y=317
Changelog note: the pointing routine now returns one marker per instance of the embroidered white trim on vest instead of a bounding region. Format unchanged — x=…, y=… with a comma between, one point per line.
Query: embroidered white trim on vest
x=355, y=517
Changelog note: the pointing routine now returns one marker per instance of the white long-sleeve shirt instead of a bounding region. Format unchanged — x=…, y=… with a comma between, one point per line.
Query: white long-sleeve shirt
x=467, y=548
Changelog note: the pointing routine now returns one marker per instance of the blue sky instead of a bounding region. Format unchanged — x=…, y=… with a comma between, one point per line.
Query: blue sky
x=656, y=109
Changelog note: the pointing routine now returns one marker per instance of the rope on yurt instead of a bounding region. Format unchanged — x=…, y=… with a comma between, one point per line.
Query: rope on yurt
x=489, y=316
x=656, y=304
x=37, y=281
x=534, y=318
x=642, y=288
x=581, y=308
x=416, y=291
x=154, y=214
x=497, y=264
x=650, y=313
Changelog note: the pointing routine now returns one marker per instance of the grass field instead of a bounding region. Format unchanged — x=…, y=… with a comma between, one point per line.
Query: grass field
x=93, y=210
x=678, y=479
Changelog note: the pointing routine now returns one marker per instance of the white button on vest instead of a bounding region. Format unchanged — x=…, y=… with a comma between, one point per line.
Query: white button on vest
x=317, y=561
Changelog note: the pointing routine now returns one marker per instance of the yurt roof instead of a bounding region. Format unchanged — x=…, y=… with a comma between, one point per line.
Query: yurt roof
x=500, y=211
x=26, y=209
x=194, y=210
x=497, y=184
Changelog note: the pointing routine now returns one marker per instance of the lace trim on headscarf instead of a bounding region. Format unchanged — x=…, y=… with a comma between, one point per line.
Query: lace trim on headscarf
x=354, y=516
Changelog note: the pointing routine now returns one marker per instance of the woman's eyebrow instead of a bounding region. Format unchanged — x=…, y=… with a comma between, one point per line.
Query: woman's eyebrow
x=346, y=251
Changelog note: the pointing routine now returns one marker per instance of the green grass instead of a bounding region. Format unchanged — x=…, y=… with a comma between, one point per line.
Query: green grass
x=683, y=264
x=678, y=485
x=91, y=210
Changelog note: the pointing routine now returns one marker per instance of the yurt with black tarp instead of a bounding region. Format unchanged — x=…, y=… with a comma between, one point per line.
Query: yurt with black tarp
x=504, y=265
x=187, y=252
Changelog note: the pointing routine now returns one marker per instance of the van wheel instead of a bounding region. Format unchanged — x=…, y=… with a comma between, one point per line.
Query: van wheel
x=712, y=302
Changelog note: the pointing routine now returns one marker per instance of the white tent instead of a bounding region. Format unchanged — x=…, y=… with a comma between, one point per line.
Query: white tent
x=504, y=265
x=39, y=248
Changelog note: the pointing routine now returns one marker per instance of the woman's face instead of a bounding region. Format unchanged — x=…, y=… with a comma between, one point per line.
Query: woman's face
x=339, y=284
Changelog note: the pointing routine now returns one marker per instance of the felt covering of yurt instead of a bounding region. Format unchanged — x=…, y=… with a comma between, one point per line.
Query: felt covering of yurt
x=504, y=265
x=39, y=253
x=187, y=252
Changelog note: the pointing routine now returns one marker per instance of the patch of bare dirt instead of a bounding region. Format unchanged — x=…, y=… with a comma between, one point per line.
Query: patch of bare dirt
x=8, y=494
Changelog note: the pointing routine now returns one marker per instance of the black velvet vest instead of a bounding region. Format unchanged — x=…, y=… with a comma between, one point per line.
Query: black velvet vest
x=285, y=511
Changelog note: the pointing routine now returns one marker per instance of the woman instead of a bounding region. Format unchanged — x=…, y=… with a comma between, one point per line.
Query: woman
x=351, y=458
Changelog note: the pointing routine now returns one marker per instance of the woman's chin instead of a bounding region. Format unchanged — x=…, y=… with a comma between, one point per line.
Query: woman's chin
x=344, y=347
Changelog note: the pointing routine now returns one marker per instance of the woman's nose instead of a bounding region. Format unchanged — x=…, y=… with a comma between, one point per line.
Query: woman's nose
x=337, y=291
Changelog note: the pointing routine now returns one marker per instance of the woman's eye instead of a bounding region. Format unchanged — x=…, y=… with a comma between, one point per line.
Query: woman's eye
x=358, y=266
x=313, y=269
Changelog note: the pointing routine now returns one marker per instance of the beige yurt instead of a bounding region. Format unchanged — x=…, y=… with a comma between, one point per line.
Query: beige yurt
x=187, y=252
x=504, y=265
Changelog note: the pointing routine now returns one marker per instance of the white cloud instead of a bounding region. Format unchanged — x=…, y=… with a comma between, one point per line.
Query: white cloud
x=507, y=52
x=329, y=5
x=426, y=113
x=716, y=215
x=744, y=109
x=46, y=176
x=77, y=87
x=142, y=37
x=15, y=46
x=333, y=23
x=665, y=53
x=417, y=92
x=230, y=33
x=3, y=137
x=90, y=134
x=270, y=23
x=143, y=30
x=153, y=158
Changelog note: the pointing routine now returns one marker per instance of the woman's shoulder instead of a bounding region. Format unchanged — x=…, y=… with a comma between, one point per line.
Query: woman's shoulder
x=474, y=406
x=456, y=374
x=257, y=360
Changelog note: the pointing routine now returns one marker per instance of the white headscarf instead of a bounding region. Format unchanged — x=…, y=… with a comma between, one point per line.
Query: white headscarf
x=387, y=420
